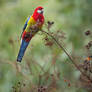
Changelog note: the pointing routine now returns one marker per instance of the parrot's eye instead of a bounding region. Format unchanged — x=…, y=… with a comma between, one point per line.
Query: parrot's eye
x=39, y=8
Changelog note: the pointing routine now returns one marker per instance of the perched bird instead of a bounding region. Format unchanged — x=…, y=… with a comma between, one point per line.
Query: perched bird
x=33, y=24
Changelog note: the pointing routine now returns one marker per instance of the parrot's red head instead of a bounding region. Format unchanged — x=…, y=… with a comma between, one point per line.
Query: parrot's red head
x=38, y=14
x=39, y=10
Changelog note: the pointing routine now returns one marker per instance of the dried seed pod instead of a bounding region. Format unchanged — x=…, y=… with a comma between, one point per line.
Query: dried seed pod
x=85, y=68
x=41, y=87
x=24, y=84
x=14, y=89
x=87, y=47
x=19, y=84
x=49, y=43
x=87, y=32
x=39, y=90
x=46, y=38
x=52, y=75
x=48, y=22
x=11, y=41
x=69, y=84
x=52, y=22
x=89, y=44
x=44, y=89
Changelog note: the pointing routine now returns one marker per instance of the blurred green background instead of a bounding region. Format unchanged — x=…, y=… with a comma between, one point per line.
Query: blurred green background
x=73, y=17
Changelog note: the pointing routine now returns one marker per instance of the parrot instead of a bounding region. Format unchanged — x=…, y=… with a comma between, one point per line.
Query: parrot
x=32, y=25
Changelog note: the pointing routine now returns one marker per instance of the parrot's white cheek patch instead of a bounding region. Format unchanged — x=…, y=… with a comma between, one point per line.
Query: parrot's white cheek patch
x=39, y=11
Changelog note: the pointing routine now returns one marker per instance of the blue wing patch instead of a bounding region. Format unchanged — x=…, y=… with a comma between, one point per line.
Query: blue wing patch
x=25, y=25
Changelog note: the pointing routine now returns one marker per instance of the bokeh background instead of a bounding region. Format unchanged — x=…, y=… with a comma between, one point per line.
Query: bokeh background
x=73, y=17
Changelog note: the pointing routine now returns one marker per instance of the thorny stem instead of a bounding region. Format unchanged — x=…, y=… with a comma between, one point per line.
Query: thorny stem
x=88, y=77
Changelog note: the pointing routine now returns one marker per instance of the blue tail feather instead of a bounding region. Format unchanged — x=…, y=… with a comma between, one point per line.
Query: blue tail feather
x=23, y=47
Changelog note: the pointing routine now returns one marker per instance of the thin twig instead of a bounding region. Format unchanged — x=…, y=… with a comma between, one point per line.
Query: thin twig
x=67, y=54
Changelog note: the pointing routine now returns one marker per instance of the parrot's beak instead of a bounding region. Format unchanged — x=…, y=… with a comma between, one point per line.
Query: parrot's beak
x=42, y=11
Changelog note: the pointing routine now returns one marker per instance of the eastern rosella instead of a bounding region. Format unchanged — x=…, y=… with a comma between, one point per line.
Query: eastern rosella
x=36, y=19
